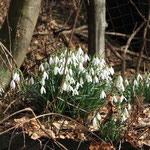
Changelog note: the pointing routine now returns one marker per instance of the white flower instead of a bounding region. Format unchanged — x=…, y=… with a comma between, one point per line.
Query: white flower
x=96, y=80
x=122, y=98
x=64, y=88
x=46, y=65
x=81, y=67
x=13, y=84
x=77, y=85
x=135, y=83
x=92, y=71
x=86, y=58
x=31, y=81
x=129, y=107
x=72, y=81
x=75, y=92
x=41, y=68
x=102, y=95
x=68, y=77
x=51, y=61
x=69, y=61
x=99, y=116
x=96, y=120
x=81, y=81
x=126, y=112
x=126, y=82
x=69, y=88
x=124, y=118
x=119, y=84
x=96, y=61
x=115, y=99
x=70, y=72
x=95, y=124
x=1, y=90
x=56, y=60
x=16, y=77
x=88, y=77
x=80, y=51
x=56, y=70
x=139, y=77
x=111, y=70
x=43, y=90
x=45, y=75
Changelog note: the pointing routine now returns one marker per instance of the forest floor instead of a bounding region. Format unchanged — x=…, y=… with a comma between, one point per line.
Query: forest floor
x=52, y=34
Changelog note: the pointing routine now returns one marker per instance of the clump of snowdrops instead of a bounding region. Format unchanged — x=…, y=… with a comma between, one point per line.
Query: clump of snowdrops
x=87, y=84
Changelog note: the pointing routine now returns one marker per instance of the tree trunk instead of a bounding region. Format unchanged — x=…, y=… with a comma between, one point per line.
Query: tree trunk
x=96, y=27
x=22, y=18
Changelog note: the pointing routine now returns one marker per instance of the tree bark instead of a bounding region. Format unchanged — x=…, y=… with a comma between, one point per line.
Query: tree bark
x=16, y=34
x=96, y=27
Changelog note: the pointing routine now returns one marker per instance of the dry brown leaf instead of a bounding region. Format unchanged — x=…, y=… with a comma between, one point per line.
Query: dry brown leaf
x=101, y=146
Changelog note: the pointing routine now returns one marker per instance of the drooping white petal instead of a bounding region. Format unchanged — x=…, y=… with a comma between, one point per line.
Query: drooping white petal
x=45, y=75
x=115, y=99
x=139, y=77
x=16, y=77
x=31, y=81
x=41, y=68
x=102, y=95
x=13, y=84
x=43, y=90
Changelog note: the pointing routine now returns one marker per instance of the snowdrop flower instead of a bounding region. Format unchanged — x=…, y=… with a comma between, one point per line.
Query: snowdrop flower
x=96, y=61
x=96, y=80
x=92, y=71
x=77, y=85
x=135, y=83
x=51, y=61
x=86, y=58
x=139, y=77
x=126, y=82
x=69, y=88
x=75, y=92
x=16, y=77
x=81, y=67
x=111, y=70
x=114, y=99
x=64, y=88
x=70, y=72
x=88, y=78
x=122, y=98
x=56, y=70
x=41, y=68
x=68, y=61
x=43, y=90
x=102, y=95
x=129, y=107
x=80, y=51
x=56, y=60
x=72, y=81
x=13, y=84
x=126, y=112
x=1, y=90
x=81, y=81
x=31, y=81
x=119, y=84
x=68, y=77
x=45, y=75
x=124, y=118
x=99, y=116
x=46, y=65
x=96, y=120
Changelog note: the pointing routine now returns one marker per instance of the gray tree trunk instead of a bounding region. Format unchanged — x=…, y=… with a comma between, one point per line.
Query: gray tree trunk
x=22, y=17
x=96, y=27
